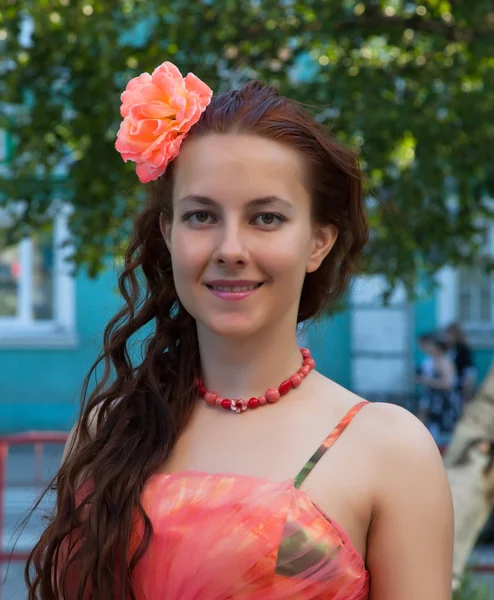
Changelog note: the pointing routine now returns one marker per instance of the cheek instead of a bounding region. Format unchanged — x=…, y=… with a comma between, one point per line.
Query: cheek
x=287, y=257
x=188, y=255
x=187, y=268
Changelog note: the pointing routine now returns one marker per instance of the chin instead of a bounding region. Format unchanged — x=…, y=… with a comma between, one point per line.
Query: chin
x=232, y=326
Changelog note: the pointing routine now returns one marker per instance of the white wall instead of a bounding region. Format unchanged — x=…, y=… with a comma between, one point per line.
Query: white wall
x=380, y=339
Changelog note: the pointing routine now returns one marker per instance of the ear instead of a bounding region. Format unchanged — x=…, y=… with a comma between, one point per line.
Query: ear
x=165, y=229
x=324, y=239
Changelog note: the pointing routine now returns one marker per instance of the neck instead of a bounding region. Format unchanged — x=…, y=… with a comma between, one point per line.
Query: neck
x=245, y=368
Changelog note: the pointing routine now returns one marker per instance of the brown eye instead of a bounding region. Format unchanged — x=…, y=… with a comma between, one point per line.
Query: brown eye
x=268, y=219
x=199, y=217
x=202, y=217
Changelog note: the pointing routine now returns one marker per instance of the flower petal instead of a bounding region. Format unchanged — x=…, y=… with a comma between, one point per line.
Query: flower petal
x=158, y=145
x=169, y=80
x=195, y=85
x=142, y=95
x=138, y=82
x=146, y=173
x=152, y=110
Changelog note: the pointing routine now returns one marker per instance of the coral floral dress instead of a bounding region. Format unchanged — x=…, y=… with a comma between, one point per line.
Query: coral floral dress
x=222, y=537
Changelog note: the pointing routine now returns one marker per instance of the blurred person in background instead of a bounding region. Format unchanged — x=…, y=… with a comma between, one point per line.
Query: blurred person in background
x=462, y=357
x=439, y=406
x=426, y=366
x=187, y=476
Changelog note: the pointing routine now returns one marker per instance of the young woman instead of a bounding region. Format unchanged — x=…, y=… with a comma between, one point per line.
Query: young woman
x=440, y=402
x=185, y=478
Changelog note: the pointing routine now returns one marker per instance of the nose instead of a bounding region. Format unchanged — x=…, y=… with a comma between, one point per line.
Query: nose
x=230, y=250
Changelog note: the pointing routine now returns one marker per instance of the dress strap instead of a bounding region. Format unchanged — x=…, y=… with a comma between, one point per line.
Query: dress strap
x=328, y=442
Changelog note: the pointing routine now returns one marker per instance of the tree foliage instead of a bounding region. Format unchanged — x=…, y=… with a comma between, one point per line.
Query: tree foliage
x=410, y=85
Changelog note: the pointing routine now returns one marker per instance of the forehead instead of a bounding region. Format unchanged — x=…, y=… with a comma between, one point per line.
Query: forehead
x=239, y=166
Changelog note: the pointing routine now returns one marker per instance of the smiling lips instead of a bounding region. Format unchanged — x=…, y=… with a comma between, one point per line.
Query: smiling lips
x=233, y=289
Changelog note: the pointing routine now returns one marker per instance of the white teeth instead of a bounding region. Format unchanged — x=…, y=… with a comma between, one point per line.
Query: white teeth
x=235, y=289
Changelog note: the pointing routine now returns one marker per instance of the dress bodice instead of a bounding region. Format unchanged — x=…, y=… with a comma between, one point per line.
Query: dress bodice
x=228, y=537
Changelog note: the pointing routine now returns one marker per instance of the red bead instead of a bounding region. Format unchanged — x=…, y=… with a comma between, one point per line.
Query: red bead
x=262, y=400
x=296, y=379
x=226, y=403
x=272, y=395
x=219, y=401
x=210, y=397
x=305, y=352
x=305, y=370
x=253, y=403
x=309, y=362
x=285, y=387
x=202, y=390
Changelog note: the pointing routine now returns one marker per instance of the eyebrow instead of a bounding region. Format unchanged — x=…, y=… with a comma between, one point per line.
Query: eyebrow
x=256, y=202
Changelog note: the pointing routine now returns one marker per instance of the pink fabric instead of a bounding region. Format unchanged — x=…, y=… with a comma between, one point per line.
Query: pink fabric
x=219, y=537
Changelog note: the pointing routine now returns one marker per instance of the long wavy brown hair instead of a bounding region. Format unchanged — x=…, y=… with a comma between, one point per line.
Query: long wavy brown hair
x=132, y=418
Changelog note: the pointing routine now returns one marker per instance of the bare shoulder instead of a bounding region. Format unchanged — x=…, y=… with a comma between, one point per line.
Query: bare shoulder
x=392, y=428
x=390, y=436
x=384, y=426
x=407, y=463
x=331, y=396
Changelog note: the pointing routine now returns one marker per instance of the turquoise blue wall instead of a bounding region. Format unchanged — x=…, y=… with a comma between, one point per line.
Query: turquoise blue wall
x=40, y=388
x=330, y=342
x=483, y=359
x=425, y=322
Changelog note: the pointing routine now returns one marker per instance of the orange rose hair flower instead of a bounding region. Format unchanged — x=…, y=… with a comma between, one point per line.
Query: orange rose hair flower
x=158, y=112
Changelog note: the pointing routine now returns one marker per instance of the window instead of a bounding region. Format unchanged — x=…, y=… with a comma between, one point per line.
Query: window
x=37, y=303
x=476, y=295
x=475, y=298
x=467, y=295
x=475, y=304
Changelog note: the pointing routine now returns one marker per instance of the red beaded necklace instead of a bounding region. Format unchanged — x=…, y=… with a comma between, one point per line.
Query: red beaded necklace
x=271, y=395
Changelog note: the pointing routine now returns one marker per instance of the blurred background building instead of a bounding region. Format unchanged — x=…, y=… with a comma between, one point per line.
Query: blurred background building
x=408, y=85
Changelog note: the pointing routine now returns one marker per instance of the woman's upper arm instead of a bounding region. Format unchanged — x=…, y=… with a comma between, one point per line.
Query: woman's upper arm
x=410, y=543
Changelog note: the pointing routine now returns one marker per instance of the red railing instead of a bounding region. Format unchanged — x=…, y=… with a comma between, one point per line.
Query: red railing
x=38, y=440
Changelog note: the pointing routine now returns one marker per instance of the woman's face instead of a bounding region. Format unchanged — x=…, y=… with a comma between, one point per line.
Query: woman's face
x=242, y=237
